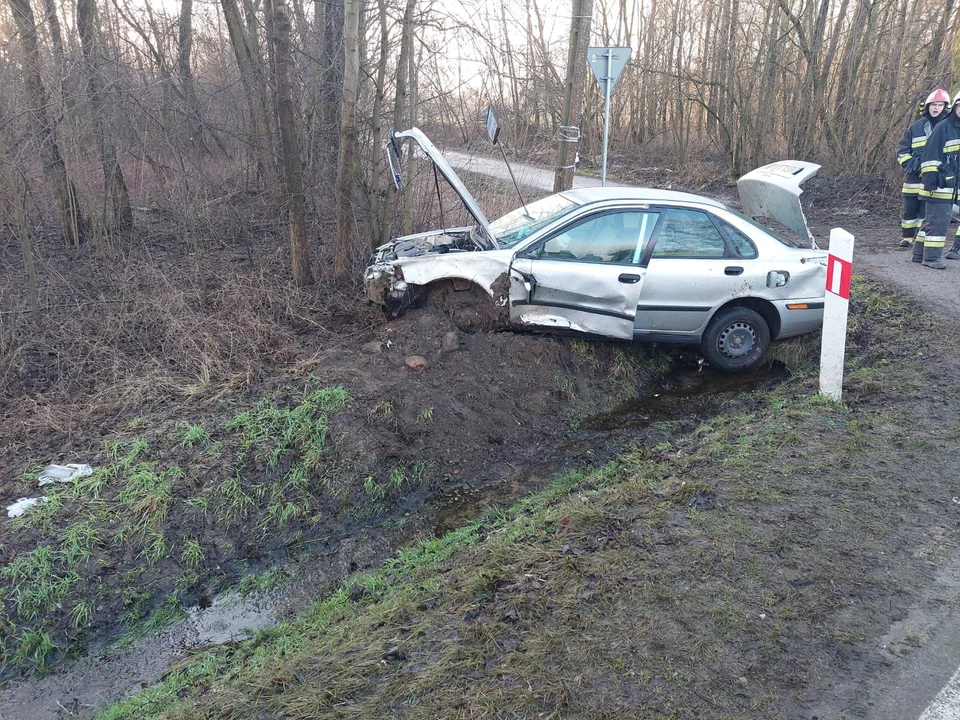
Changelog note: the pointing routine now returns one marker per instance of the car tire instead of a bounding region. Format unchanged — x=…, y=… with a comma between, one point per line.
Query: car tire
x=737, y=338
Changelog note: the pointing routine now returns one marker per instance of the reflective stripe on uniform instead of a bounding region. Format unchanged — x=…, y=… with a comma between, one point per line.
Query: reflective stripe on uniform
x=938, y=194
x=918, y=142
x=934, y=241
x=915, y=223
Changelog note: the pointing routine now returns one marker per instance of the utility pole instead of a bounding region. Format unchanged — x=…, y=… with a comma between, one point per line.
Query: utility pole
x=573, y=92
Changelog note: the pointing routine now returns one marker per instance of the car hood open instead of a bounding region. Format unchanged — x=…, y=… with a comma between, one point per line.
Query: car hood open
x=773, y=191
x=469, y=202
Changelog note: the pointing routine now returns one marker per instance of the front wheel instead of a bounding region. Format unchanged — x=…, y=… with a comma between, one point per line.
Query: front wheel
x=736, y=339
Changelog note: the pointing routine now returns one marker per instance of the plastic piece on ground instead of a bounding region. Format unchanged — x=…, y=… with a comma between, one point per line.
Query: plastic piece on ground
x=22, y=505
x=63, y=473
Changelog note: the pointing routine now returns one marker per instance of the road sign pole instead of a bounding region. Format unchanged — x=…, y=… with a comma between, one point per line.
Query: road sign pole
x=607, y=64
x=835, y=308
x=606, y=117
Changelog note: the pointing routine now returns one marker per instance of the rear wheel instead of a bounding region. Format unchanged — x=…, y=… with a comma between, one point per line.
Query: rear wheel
x=736, y=339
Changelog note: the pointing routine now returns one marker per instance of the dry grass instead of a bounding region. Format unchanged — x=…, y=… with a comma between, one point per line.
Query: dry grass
x=148, y=330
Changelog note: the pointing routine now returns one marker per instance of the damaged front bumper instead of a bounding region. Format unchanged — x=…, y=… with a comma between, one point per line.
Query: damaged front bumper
x=384, y=285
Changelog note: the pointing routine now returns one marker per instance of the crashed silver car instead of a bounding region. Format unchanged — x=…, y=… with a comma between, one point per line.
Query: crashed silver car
x=630, y=263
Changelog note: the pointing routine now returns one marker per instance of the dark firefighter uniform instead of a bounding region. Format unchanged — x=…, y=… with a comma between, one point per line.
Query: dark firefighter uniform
x=940, y=176
x=909, y=150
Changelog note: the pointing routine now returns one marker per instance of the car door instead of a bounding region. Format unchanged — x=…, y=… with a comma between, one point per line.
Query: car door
x=586, y=275
x=697, y=262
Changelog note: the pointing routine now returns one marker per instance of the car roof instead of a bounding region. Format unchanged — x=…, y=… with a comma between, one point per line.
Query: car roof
x=586, y=196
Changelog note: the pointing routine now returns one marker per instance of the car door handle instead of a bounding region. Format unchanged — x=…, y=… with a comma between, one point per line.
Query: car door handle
x=629, y=278
x=732, y=270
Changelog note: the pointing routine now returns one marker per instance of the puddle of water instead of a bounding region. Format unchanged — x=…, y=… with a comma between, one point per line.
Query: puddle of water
x=463, y=503
x=105, y=675
x=687, y=394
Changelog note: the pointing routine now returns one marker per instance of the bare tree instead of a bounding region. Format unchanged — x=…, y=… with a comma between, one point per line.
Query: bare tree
x=115, y=185
x=55, y=169
x=399, y=98
x=573, y=89
x=185, y=71
x=292, y=169
x=347, y=170
x=248, y=65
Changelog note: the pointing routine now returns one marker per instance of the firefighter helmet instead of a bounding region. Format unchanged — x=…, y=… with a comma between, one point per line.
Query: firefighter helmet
x=939, y=95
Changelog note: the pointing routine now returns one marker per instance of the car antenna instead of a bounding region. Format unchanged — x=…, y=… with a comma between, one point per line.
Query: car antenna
x=493, y=132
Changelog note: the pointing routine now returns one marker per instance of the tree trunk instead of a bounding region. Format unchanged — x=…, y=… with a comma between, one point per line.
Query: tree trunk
x=54, y=167
x=573, y=90
x=185, y=70
x=59, y=57
x=292, y=169
x=376, y=148
x=414, y=106
x=248, y=66
x=346, y=170
x=114, y=184
x=406, y=48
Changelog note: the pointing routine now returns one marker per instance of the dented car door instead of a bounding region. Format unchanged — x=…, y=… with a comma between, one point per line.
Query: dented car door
x=585, y=276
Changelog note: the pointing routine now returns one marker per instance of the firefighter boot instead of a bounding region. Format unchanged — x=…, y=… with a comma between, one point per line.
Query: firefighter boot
x=954, y=253
x=917, y=250
x=931, y=257
x=905, y=243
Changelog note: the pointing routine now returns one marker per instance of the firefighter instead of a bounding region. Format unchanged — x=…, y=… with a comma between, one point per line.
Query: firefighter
x=908, y=155
x=941, y=185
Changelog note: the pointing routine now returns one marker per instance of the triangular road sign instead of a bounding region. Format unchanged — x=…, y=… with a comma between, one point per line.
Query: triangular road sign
x=598, y=59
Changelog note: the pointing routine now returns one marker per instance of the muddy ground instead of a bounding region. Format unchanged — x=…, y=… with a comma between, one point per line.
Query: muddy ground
x=172, y=342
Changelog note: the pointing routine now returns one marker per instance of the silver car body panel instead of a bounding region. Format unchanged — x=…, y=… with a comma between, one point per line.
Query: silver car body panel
x=663, y=298
x=773, y=191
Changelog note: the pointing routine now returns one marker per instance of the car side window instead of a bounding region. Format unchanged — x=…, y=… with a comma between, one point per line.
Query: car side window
x=617, y=238
x=738, y=242
x=688, y=234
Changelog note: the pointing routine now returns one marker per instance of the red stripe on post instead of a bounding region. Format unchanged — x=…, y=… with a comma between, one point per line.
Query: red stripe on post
x=838, y=276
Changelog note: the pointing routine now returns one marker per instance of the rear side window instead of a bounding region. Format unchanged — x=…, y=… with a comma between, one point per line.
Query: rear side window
x=739, y=243
x=688, y=234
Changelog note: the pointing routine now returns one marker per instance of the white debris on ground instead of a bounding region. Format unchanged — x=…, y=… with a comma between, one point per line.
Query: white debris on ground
x=51, y=474
x=63, y=473
x=22, y=505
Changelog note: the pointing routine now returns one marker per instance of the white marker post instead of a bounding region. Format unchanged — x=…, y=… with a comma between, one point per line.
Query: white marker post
x=835, y=306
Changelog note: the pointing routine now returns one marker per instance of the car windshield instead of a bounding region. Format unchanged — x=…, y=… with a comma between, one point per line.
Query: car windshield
x=521, y=223
x=782, y=234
